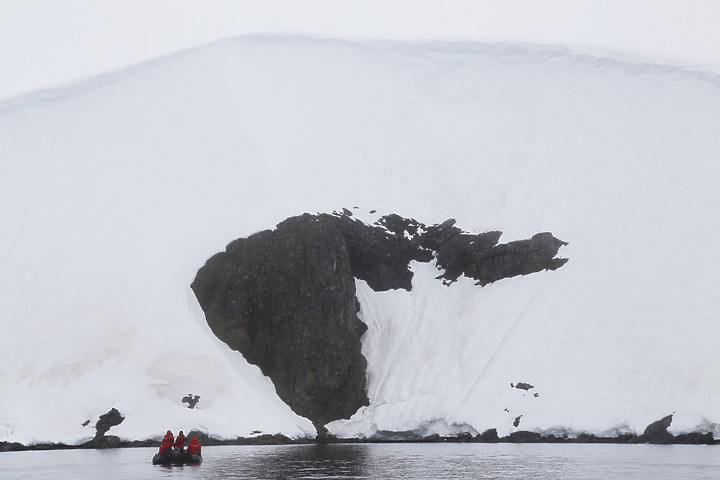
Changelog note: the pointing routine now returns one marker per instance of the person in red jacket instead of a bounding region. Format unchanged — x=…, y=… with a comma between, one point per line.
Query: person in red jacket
x=180, y=441
x=167, y=443
x=194, y=447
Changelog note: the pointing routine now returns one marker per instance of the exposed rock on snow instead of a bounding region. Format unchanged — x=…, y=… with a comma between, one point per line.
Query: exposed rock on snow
x=108, y=420
x=380, y=254
x=103, y=425
x=191, y=400
x=522, y=386
x=481, y=258
x=286, y=298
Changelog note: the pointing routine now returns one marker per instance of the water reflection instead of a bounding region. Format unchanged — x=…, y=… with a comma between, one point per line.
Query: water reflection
x=387, y=461
x=463, y=461
x=295, y=461
x=380, y=461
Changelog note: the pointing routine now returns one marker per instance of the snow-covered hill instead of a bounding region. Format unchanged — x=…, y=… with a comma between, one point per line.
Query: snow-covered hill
x=114, y=191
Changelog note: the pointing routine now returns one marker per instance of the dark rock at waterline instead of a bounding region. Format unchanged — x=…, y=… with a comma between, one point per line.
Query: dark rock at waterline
x=694, y=438
x=12, y=447
x=105, y=441
x=658, y=427
x=465, y=437
x=286, y=298
x=323, y=435
x=489, y=436
x=202, y=437
x=401, y=436
x=263, y=439
x=526, y=437
x=657, y=432
x=104, y=423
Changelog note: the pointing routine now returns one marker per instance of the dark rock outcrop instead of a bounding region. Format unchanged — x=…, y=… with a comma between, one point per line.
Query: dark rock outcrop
x=108, y=420
x=286, y=298
x=191, y=400
x=103, y=425
x=381, y=254
x=489, y=436
x=481, y=258
x=657, y=432
x=523, y=386
x=516, y=422
x=12, y=447
x=525, y=437
x=695, y=438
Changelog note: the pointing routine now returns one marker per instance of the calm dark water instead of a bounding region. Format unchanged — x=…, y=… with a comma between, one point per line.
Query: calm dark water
x=380, y=461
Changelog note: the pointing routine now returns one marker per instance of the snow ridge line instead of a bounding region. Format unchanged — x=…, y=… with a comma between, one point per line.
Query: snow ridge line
x=598, y=59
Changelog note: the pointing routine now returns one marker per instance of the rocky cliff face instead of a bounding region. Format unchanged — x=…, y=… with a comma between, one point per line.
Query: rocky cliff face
x=286, y=298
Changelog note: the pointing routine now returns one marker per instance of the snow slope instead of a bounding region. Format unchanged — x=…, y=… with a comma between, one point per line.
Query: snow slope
x=114, y=191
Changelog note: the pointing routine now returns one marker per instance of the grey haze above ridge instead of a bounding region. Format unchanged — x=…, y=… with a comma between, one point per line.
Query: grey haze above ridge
x=598, y=57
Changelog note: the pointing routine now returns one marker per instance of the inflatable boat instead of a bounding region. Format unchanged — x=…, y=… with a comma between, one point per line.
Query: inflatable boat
x=176, y=458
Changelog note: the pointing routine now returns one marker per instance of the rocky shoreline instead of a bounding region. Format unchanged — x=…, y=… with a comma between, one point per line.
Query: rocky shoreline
x=656, y=434
x=112, y=441
x=490, y=436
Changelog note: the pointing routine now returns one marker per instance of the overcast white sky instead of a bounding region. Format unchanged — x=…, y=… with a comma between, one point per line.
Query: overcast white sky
x=44, y=42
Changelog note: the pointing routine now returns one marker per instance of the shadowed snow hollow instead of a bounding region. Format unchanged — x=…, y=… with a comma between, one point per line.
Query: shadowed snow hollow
x=113, y=191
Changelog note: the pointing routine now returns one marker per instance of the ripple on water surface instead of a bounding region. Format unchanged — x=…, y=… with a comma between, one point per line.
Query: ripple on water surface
x=379, y=461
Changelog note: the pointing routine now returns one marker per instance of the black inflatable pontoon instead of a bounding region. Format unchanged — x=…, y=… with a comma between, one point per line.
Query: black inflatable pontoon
x=176, y=458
